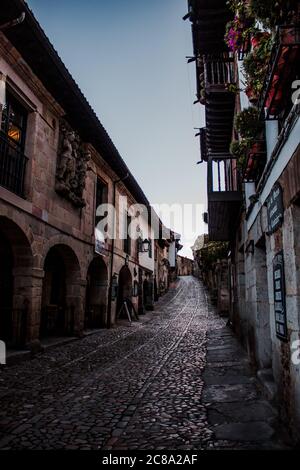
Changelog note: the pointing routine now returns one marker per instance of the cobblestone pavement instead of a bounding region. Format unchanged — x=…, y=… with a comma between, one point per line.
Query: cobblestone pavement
x=139, y=387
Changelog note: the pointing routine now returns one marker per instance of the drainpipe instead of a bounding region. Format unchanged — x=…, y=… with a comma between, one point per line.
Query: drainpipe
x=112, y=254
x=12, y=23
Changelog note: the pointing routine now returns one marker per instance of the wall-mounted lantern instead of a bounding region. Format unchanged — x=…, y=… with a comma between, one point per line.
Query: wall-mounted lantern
x=144, y=246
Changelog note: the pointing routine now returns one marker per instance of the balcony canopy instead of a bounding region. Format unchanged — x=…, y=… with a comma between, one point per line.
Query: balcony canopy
x=209, y=18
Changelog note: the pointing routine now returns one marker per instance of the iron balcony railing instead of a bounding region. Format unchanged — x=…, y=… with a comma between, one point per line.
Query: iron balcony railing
x=285, y=50
x=57, y=320
x=12, y=166
x=13, y=327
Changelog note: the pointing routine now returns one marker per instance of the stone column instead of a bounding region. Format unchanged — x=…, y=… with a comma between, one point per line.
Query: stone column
x=27, y=299
x=75, y=305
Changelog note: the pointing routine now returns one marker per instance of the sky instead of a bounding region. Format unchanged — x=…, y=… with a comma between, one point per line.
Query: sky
x=128, y=58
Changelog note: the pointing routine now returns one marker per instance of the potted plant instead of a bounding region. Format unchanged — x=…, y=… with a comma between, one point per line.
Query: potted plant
x=255, y=66
x=240, y=8
x=239, y=149
x=252, y=92
x=247, y=123
x=272, y=13
x=202, y=98
x=232, y=88
x=237, y=31
x=233, y=36
x=258, y=37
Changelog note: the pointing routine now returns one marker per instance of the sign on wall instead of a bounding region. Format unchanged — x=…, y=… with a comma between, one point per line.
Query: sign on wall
x=279, y=297
x=275, y=208
x=100, y=246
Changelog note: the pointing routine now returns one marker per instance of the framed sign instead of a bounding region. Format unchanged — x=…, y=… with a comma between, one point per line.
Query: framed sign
x=275, y=208
x=100, y=246
x=279, y=297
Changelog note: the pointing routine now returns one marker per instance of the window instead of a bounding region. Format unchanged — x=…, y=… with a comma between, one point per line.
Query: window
x=101, y=198
x=127, y=239
x=12, y=142
x=14, y=121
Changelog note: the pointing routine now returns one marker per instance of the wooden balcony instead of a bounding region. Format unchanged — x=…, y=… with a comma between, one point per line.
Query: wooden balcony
x=219, y=121
x=218, y=72
x=224, y=197
x=209, y=20
x=283, y=69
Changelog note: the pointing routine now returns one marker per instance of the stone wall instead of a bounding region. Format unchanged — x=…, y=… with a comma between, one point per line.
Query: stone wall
x=254, y=318
x=184, y=266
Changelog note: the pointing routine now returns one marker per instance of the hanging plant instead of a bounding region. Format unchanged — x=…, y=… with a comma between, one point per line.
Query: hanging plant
x=272, y=13
x=255, y=66
x=237, y=31
x=259, y=38
x=240, y=149
x=232, y=88
x=239, y=7
x=247, y=123
x=202, y=98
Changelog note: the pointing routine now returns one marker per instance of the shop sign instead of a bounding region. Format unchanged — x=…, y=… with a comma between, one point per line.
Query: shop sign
x=279, y=297
x=275, y=208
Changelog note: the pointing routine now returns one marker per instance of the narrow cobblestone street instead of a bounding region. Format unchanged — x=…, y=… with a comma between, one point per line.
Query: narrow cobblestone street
x=140, y=387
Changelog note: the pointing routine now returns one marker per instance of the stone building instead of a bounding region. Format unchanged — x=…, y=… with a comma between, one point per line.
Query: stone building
x=185, y=266
x=162, y=264
x=173, y=249
x=59, y=274
x=211, y=266
x=251, y=146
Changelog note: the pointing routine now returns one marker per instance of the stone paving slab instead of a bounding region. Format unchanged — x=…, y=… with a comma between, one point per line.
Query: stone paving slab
x=255, y=431
x=229, y=393
x=241, y=412
x=240, y=417
x=227, y=378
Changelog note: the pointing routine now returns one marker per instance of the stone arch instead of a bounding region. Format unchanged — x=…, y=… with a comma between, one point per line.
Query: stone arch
x=19, y=241
x=62, y=294
x=96, y=294
x=16, y=283
x=73, y=246
x=124, y=287
x=148, y=292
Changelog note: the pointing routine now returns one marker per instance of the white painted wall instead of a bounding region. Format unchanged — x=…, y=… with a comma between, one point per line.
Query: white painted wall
x=245, y=103
x=172, y=254
x=144, y=260
x=284, y=157
x=249, y=191
x=271, y=136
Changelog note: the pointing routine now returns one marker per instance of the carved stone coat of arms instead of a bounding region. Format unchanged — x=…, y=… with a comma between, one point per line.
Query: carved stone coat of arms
x=72, y=166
